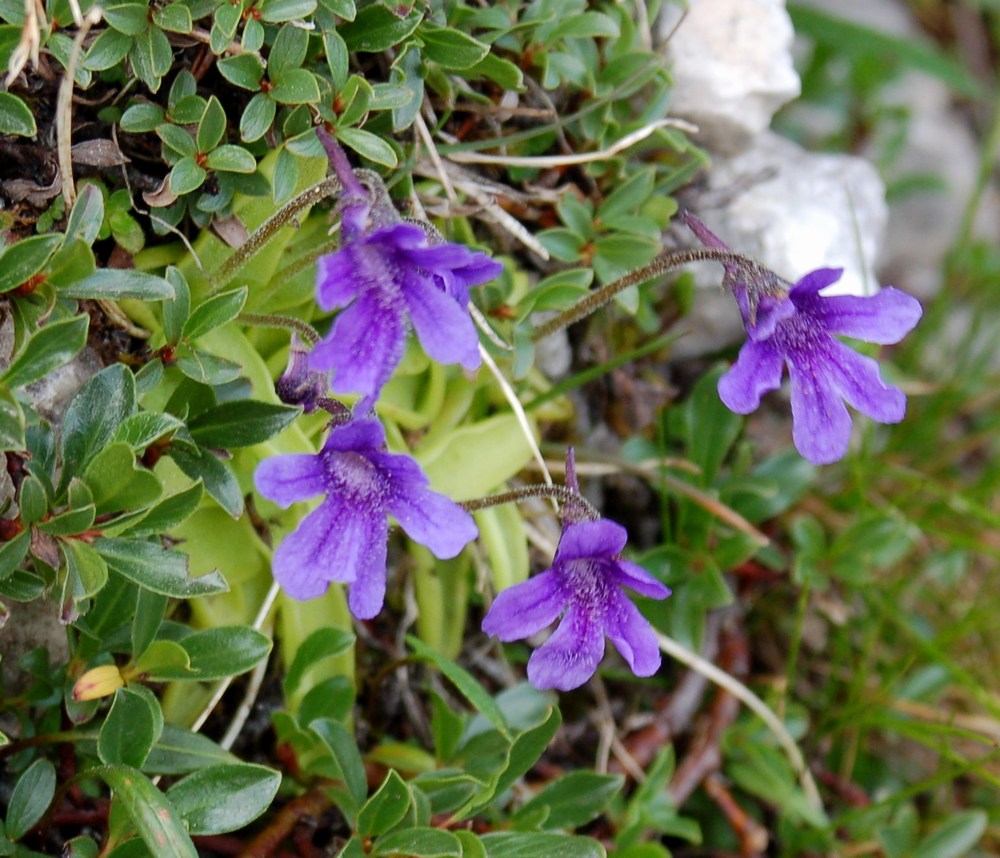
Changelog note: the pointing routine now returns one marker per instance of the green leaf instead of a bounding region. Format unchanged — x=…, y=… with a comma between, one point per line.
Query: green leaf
x=464, y=681
x=451, y=49
x=175, y=18
x=130, y=730
x=588, y=25
x=376, y=29
x=52, y=347
x=13, y=552
x=288, y=51
x=212, y=126
x=510, y=844
x=142, y=429
x=177, y=309
x=118, y=482
x=526, y=750
x=474, y=459
x=500, y=71
x=23, y=260
x=32, y=500
x=954, y=837
x=386, y=808
x=186, y=110
x=30, y=798
x=231, y=159
x=571, y=801
x=217, y=477
x=130, y=18
x=153, y=816
x=206, y=368
x=216, y=654
x=11, y=422
x=295, y=86
x=150, y=609
x=113, y=284
x=224, y=798
x=322, y=643
x=344, y=752
x=278, y=11
x=71, y=522
x=420, y=843
x=241, y=423
x=156, y=568
x=257, y=118
x=180, y=751
x=87, y=215
x=103, y=402
x=86, y=571
x=337, y=58
x=709, y=428
x=214, y=312
x=187, y=175
x=15, y=116
x=368, y=145
x=151, y=57
x=244, y=70
x=166, y=515
x=107, y=50
x=177, y=139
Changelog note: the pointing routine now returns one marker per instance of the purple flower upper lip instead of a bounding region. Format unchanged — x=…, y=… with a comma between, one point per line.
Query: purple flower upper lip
x=382, y=278
x=799, y=329
x=344, y=538
x=585, y=582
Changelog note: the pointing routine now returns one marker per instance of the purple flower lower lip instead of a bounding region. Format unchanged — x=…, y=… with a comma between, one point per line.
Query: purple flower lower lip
x=344, y=538
x=584, y=585
x=799, y=329
x=386, y=280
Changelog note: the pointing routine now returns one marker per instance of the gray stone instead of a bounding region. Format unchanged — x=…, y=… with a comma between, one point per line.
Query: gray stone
x=732, y=67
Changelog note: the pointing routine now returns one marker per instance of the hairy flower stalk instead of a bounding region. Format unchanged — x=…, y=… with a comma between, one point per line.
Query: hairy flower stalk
x=794, y=325
x=389, y=275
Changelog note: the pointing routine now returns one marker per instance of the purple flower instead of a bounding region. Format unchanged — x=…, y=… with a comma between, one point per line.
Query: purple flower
x=344, y=538
x=584, y=585
x=796, y=326
x=384, y=278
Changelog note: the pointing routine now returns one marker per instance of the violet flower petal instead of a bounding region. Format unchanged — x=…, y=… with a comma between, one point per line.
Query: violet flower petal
x=443, y=326
x=883, y=318
x=757, y=370
x=364, y=346
x=526, y=608
x=812, y=283
x=821, y=426
x=588, y=539
x=633, y=638
x=332, y=543
x=860, y=383
x=290, y=478
x=634, y=577
x=366, y=593
x=571, y=655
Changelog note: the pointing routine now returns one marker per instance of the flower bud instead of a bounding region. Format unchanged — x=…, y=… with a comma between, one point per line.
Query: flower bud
x=98, y=682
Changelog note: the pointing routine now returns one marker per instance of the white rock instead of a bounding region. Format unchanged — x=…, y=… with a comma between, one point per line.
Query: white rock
x=732, y=67
x=794, y=211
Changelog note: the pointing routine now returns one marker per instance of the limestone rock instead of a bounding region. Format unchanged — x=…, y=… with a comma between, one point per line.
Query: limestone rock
x=732, y=67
